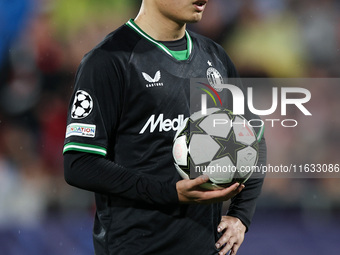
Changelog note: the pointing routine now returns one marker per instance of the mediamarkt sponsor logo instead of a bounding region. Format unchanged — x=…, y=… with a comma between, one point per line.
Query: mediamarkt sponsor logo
x=162, y=124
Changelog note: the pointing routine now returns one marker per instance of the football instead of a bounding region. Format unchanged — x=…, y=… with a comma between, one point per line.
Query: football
x=82, y=105
x=219, y=144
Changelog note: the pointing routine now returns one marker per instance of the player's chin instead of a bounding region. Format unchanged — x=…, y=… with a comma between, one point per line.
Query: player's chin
x=196, y=17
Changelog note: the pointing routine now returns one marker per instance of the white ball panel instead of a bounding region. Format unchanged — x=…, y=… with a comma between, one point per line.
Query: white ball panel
x=202, y=148
x=246, y=159
x=180, y=151
x=181, y=172
x=243, y=132
x=217, y=125
x=221, y=170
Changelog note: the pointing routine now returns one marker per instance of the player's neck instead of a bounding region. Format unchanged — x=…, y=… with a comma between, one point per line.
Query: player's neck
x=159, y=27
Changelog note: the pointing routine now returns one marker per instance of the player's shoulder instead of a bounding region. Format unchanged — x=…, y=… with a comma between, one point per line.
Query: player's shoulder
x=206, y=43
x=116, y=46
x=121, y=40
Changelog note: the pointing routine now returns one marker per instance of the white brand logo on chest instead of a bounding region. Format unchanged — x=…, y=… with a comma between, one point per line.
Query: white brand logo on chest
x=153, y=82
x=162, y=124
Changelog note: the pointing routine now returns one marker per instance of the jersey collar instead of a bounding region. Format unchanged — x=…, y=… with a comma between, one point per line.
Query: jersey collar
x=137, y=29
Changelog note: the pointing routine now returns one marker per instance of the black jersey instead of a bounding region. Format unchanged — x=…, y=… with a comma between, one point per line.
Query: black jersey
x=130, y=96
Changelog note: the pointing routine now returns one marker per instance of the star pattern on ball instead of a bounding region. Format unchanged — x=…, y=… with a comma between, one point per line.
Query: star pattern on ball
x=228, y=147
x=194, y=128
x=229, y=113
x=191, y=128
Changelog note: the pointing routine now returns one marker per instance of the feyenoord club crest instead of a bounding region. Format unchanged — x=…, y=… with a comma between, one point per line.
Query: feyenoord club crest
x=214, y=77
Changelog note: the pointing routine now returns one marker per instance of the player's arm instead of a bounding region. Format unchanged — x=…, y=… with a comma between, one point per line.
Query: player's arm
x=85, y=163
x=98, y=174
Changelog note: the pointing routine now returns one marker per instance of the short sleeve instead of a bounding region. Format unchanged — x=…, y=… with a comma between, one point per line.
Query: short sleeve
x=95, y=104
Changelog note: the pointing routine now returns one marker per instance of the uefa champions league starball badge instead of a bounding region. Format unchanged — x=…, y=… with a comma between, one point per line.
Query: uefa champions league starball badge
x=82, y=105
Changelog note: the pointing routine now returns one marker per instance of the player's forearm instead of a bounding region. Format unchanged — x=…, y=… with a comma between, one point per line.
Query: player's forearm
x=97, y=174
x=243, y=205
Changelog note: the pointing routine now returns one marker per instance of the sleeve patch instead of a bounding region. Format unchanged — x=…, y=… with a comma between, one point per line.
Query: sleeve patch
x=82, y=105
x=80, y=129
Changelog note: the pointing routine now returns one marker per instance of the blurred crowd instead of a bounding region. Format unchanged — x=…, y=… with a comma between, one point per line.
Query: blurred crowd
x=42, y=43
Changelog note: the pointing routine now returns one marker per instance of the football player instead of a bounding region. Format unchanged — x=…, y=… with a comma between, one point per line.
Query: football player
x=131, y=92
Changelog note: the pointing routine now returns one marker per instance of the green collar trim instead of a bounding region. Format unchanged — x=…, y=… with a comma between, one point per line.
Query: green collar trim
x=179, y=56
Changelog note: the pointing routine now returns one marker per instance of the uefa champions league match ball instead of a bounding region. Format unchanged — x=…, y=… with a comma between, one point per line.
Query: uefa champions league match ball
x=221, y=145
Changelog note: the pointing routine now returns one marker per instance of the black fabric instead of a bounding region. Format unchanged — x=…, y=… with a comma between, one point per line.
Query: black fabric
x=176, y=45
x=139, y=93
x=95, y=173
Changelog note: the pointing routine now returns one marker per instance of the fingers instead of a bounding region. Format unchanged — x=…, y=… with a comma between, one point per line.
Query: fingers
x=233, y=235
x=222, y=226
x=234, y=249
x=221, y=195
x=200, y=180
x=229, y=246
x=227, y=240
x=227, y=193
x=234, y=189
x=190, y=191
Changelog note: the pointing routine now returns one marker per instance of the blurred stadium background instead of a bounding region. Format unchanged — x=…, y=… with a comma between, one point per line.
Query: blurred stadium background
x=41, y=45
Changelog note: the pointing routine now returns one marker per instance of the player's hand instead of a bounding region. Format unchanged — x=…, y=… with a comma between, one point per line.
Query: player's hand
x=233, y=235
x=189, y=191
